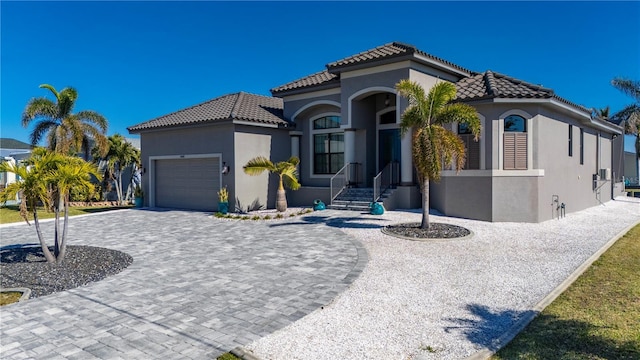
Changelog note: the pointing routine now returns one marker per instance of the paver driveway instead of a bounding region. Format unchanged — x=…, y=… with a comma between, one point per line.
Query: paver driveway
x=197, y=287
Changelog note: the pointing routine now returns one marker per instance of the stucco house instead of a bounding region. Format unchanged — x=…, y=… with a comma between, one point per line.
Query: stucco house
x=536, y=151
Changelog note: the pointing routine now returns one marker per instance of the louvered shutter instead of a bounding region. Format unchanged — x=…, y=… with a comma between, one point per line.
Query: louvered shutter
x=515, y=151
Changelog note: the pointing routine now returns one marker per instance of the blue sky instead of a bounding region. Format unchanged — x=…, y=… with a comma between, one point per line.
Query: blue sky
x=134, y=61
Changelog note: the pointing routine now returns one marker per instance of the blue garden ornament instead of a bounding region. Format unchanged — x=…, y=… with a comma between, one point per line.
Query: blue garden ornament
x=318, y=205
x=376, y=208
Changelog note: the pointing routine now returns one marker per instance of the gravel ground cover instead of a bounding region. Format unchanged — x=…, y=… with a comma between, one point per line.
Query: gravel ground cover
x=444, y=299
x=26, y=267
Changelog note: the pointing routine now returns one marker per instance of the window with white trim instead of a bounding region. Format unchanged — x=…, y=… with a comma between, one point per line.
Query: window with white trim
x=515, y=143
x=328, y=145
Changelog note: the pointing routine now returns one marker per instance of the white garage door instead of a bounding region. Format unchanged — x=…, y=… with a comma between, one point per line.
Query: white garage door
x=187, y=183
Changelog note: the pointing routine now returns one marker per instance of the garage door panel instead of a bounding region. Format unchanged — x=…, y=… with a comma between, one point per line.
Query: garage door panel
x=187, y=183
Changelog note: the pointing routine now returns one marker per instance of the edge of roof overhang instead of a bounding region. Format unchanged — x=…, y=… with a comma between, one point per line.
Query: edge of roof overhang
x=334, y=83
x=585, y=116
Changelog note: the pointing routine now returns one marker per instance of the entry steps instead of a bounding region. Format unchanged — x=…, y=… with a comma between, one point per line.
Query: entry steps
x=356, y=199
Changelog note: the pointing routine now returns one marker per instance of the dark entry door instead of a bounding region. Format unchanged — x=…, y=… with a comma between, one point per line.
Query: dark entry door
x=389, y=148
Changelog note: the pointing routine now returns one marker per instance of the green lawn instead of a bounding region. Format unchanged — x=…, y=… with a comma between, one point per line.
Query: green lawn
x=598, y=317
x=10, y=213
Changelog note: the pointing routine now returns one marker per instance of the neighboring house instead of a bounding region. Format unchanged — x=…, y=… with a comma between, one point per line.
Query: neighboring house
x=631, y=159
x=536, y=150
x=13, y=151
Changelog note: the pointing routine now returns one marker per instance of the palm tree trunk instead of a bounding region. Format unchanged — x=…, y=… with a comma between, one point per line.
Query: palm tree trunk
x=425, y=205
x=119, y=188
x=281, y=198
x=56, y=232
x=43, y=244
x=63, y=243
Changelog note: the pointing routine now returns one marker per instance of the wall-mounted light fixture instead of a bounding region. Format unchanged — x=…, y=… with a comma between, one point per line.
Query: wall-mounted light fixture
x=225, y=168
x=387, y=101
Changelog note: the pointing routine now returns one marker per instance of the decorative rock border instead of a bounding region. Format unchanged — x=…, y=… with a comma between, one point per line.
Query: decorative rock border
x=385, y=230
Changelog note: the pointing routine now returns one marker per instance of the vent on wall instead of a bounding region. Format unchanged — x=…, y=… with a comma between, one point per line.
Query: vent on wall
x=605, y=174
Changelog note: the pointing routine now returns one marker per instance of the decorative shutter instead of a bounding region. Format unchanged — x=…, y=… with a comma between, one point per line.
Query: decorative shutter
x=473, y=153
x=521, y=151
x=509, y=151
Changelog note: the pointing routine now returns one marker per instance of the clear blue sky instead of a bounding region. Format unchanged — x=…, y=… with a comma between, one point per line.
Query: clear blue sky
x=134, y=61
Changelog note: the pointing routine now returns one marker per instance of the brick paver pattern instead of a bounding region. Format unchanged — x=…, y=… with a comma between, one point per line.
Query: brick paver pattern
x=197, y=287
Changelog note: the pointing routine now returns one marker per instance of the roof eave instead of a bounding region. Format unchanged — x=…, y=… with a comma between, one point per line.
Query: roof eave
x=331, y=84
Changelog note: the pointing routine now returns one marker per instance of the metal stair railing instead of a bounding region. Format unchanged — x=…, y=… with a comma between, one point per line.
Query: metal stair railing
x=339, y=181
x=385, y=179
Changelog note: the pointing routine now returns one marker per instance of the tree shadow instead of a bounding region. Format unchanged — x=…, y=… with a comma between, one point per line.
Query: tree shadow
x=21, y=253
x=546, y=337
x=352, y=222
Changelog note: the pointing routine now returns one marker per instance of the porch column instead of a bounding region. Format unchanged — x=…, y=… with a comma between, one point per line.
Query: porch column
x=295, y=146
x=406, y=171
x=349, y=146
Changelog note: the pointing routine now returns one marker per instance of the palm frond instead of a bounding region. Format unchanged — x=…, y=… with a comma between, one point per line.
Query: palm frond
x=628, y=86
x=92, y=117
x=258, y=165
x=461, y=114
x=39, y=108
x=439, y=95
x=50, y=88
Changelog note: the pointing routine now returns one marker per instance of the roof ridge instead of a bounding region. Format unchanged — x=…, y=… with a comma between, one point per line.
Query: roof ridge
x=490, y=81
x=525, y=83
x=236, y=105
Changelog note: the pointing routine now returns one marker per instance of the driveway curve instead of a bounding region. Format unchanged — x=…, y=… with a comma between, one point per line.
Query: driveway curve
x=197, y=287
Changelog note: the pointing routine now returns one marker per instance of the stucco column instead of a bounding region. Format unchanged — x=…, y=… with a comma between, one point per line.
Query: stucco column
x=349, y=146
x=295, y=142
x=406, y=171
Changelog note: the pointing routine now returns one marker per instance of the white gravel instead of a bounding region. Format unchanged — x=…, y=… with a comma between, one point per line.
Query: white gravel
x=445, y=299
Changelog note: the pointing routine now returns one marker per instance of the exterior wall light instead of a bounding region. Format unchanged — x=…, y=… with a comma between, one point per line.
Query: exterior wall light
x=225, y=168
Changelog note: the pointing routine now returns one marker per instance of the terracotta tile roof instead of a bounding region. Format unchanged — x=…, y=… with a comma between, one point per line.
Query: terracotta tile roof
x=238, y=106
x=386, y=51
x=319, y=78
x=489, y=85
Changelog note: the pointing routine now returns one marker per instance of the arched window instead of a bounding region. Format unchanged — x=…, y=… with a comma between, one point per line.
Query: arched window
x=515, y=123
x=328, y=145
x=515, y=143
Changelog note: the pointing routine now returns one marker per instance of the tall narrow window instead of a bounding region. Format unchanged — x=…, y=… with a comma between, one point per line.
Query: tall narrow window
x=471, y=146
x=515, y=143
x=570, y=140
x=581, y=147
x=328, y=145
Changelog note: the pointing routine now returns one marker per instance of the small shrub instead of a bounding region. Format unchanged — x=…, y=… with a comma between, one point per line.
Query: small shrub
x=267, y=217
x=245, y=218
x=292, y=215
x=255, y=217
x=279, y=216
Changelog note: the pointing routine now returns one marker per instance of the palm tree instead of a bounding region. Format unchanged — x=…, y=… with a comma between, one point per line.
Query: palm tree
x=66, y=132
x=286, y=170
x=630, y=114
x=603, y=113
x=120, y=156
x=432, y=144
x=47, y=178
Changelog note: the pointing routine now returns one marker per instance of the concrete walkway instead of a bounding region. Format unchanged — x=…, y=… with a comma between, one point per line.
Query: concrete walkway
x=198, y=286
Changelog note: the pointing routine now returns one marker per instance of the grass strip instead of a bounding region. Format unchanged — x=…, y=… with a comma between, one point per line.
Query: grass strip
x=597, y=317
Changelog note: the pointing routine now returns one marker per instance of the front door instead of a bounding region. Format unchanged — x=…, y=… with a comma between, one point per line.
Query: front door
x=388, y=148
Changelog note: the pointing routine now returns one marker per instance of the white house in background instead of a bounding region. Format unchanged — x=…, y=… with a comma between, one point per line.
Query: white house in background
x=13, y=151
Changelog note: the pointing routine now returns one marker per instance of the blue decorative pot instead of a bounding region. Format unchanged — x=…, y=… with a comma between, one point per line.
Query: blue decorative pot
x=138, y=201
x=223, y=207
x=376, y=208
x=318, y=205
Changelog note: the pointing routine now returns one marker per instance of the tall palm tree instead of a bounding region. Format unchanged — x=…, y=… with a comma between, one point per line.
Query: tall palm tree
x=630, y=114
x=286, y=170
x=66, y=132
x=48, y=178
x=432, y=144
x=603, y=113
x=120, y=156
